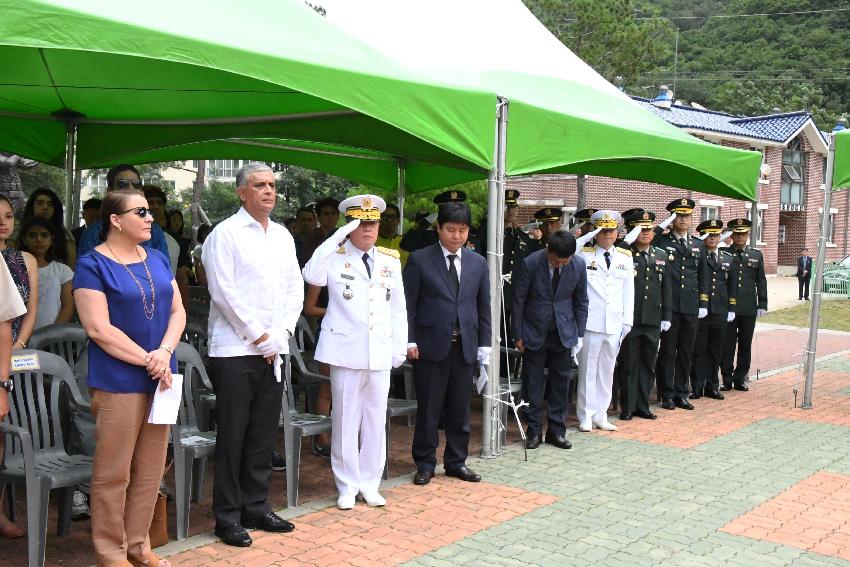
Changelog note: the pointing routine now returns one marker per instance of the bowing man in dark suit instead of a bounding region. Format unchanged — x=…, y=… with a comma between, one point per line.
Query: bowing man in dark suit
x=550, y=312
x=447, y=289
x=804, y=273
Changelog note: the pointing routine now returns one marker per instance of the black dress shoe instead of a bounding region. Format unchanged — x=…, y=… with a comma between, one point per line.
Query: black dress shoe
x=668, y=404
x=741, y=387
x=626, y=416
x=714, y=395
x=532, y=442
x=464, y=473
x=234, y=535
x=683, y=403
x=278, y=461
x=695, y=396
x=271, y=522
x=559, y=441
x=644, y=415
x=321, y=450
x=423, y=477
x=725, y=388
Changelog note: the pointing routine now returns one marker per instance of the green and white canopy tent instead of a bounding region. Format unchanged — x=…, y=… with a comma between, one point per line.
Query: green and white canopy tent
x=424, y=85
x=837, y=178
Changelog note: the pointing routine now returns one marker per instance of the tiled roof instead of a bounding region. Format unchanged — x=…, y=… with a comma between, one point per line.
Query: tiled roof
x=772, y=127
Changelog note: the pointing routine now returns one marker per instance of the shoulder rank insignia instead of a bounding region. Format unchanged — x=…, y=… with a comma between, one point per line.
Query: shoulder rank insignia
x=625, y=251
x=340, y=250
x=389, y=252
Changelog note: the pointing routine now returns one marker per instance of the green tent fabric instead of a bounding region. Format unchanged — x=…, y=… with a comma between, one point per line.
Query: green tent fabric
x=208, y=79
x=841, y=165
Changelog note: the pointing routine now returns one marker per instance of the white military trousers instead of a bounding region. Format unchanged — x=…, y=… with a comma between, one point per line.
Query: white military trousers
x=358, y=438
x=596, y=361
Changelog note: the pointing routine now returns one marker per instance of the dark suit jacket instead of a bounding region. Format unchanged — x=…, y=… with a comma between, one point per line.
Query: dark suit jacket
x=804, y=263
x=535, y=304
x=432, y=306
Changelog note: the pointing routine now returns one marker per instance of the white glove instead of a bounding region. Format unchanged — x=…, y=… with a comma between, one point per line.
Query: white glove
x=666, y=223
x=399, y=359
x=703, y=236
x=484, y=354
x=431, y=218
x=582, y=240
x=726, y=235
x=575, y=350
x=665, y=326
x=703, y=313
x=730, y=316
x=273, y=345
x=343, y=231
x=761, y=312
x=632, y=235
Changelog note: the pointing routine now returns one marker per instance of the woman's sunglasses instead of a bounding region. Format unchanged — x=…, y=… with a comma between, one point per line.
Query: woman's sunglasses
x=141, y=211
x=125, y=183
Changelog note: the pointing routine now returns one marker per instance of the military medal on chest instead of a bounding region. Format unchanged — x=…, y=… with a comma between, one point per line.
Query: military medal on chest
x=347, y=293
x=389, y=294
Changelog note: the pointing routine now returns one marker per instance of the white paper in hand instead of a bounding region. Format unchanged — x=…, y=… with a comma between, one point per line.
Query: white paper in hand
x=166, y=403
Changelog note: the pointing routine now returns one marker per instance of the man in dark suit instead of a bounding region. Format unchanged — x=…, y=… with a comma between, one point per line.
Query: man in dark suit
x=447, y=288
x=550, y=312
x=804, y=273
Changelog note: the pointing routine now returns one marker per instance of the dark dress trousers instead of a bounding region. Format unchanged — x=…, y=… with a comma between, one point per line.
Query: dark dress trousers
x=719, y=298
x=443, y=372
x=549, y=316
x=804, y=264
x=748, y=271
x=639, y=351
x=677, y=344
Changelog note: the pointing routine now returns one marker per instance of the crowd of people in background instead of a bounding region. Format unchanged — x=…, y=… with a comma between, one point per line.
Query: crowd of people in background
x=586, y=307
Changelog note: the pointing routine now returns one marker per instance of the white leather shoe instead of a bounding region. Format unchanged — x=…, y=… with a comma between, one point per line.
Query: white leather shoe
x=345, y=502
x=606, y=426
x=373, y=498
x=584, y=426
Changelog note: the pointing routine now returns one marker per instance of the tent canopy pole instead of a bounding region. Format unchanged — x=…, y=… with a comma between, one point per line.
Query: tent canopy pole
x=811, y=350
x=401, y=194
x=70, y=171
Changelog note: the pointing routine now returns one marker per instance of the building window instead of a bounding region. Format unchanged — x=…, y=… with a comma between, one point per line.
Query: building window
x=97, y=183
x=708, y=213
x=223, y=167
x=760, y=228
x=793, y=191
x=830, y=229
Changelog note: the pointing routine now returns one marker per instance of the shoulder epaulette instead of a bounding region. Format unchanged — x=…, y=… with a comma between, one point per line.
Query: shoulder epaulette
x=389, y=252
x=625, y=251
x=587, y=249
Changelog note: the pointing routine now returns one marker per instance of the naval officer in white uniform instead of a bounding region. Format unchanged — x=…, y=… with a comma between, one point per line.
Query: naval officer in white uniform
x=610, y=292
x=364, y=336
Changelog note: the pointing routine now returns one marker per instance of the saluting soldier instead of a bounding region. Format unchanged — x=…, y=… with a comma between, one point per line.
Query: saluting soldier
x=684, y=256
x=611, y=295
x=748, y=269
x=653, y=311
x=581, y=221
x=718, y=296
x=516, y=245
x=364, y=335
x=551, y=221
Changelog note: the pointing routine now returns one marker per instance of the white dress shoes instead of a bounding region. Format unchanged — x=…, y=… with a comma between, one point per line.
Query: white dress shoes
x=584, y=426
x=605, y=426
x=345, y=502
x=373, y=498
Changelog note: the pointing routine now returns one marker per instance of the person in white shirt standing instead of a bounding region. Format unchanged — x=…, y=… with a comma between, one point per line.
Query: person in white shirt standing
x=364, y=335
x=256, y=294
x=610, y=291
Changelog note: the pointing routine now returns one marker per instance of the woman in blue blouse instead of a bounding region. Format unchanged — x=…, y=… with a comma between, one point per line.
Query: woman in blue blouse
x=130, y=307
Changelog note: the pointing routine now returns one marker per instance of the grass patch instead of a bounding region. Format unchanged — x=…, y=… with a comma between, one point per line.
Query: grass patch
x=834, y=314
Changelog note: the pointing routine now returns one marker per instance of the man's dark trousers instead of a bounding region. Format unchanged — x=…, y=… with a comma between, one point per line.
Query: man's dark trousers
x=708, y=353
x=803, y=284
x=739, y=333
x=677, y=346
x=558, y=359
x=248, y=402
x=641, y=348
x=445, y=384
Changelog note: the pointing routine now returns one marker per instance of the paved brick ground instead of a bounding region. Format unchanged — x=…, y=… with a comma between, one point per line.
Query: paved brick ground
x=654, y=492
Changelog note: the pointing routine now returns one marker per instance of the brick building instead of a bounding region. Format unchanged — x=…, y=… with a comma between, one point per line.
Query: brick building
x=790, y=191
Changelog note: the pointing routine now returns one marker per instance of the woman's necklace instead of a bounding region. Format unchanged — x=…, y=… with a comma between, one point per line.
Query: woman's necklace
x=148, y=310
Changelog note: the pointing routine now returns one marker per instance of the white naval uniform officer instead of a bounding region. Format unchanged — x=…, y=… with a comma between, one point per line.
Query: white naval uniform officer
x=364, y=336
x=610, y=293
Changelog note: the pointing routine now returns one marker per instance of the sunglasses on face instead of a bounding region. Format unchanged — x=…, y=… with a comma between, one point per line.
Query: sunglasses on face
x=125, y=183
x=140, y=211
